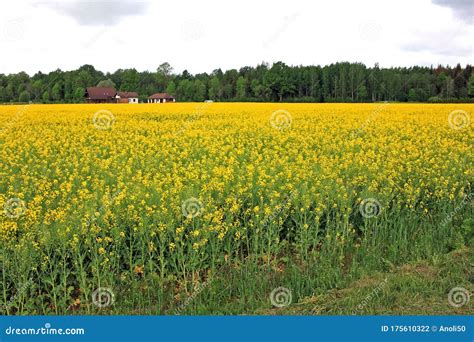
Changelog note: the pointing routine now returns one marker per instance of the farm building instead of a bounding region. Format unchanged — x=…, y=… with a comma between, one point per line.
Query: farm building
x=161, y=98
x=100, y=95
x=127, y=97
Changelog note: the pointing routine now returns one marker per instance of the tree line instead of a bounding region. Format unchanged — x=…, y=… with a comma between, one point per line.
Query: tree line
x=339, y=82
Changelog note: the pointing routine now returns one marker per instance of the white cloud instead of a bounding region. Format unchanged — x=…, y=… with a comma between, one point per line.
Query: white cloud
x=430, y=42
x=463, y=9
x=87, y=12
x=201, y=36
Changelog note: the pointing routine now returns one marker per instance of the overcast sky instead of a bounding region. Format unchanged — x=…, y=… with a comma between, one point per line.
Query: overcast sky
x=204, y=35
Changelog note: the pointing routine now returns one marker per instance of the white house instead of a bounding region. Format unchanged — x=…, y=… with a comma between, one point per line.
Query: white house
x=127, y=97
x=161, y=98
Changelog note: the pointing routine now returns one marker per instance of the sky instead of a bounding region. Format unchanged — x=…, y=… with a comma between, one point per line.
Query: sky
x=201, y=36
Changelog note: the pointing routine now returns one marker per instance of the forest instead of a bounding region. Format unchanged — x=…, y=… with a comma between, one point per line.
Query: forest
x=279, y=82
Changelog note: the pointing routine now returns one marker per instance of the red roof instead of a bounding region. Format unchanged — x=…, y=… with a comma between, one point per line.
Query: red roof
x=100, y=93
x=161, y=96
x=127, y=94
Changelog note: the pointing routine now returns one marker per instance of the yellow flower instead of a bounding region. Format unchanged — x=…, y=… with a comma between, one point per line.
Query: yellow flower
x=138, y=270
x=130, y=182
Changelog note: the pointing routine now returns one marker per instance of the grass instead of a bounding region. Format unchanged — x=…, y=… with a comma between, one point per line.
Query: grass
x=419, y=288
x=402, y=284
x=364, y=276
x=414, y=288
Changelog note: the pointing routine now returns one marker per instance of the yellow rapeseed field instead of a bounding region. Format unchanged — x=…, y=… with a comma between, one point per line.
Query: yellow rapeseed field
x=106, y=192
